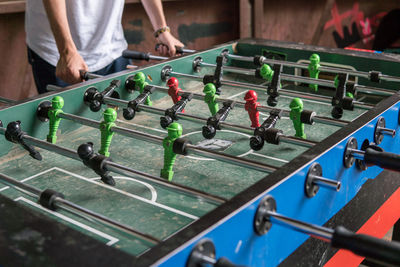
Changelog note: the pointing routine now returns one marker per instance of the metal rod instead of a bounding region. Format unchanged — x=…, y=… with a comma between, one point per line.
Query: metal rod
x=230, y=69
x=71, y=207
x=374, y=90
x=307, y=228
x=357, y=154
x=387, y=131
x=241, y=58
x=285, y=92
x=308, y=80
x=297, y=141
x=356, y=73
x=78, y=210
x=330, y=121
x=318, y=119
x=158, y=140
x=328, y=183
x=230, y=159
x=33, y=191
x=154, y=57
x=186, y=50
x=116, y=167
x=7, y=101
x=204, y=258
x=389, y=78
x=188, y=117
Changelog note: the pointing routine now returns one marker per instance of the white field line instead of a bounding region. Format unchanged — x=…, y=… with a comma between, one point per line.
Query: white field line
x=162, y=206
x=149, y=186
x=238, y=94
x=142, y=126
x=112, y=240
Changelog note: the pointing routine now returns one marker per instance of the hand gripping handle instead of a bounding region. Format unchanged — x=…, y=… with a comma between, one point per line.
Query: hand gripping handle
x=367, y=246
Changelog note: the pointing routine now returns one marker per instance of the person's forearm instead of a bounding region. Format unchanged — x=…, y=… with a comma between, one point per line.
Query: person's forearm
x=57, y=15
x=155, y=12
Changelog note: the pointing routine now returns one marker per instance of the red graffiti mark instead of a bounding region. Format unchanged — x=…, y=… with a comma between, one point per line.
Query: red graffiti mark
x=368, y=23
x=356, y=14
x=376, y=18
x=336, y=21
x=366, y=27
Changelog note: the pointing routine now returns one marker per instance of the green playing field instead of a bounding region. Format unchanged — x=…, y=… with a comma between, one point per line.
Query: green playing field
x=146, y=206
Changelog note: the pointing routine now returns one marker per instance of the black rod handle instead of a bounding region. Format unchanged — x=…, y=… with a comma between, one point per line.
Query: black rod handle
x=377, y=156
x=367, y=246
x=224, y=262
x=136, y=55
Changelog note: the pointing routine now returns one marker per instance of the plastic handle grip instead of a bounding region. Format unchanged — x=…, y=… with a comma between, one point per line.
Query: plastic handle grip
x=224, y=262
x=385, y=160
x=135, y=55
x=367, y=246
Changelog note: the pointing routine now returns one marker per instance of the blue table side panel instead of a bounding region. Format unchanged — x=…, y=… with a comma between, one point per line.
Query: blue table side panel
x=236, y=239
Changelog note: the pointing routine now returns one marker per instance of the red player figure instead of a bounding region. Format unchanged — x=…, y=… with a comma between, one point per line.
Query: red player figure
x=251, y=107
x=173, y=90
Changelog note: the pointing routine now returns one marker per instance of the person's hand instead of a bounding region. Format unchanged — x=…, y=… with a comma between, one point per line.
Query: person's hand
x=68, y=67
x=169, y=42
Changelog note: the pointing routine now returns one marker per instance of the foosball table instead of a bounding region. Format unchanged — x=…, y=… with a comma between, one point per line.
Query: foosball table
x=231, y=156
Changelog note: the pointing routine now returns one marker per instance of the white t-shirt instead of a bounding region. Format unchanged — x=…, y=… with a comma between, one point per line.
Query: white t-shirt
x=95, y=27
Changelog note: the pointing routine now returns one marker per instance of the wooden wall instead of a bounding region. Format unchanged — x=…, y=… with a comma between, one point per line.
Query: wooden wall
x=332, y=23
x=202, y=24
x=218, y=22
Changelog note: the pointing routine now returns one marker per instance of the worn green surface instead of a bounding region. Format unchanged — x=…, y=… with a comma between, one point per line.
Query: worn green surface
x=146, y=206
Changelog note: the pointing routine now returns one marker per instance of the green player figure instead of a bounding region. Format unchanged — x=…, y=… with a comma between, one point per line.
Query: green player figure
x=174, y=132
x=266, y=72
x=211, y=98
x=313, y=69
x=57, y=104
x=140, y=84
x=110, y=115
x=296, y=107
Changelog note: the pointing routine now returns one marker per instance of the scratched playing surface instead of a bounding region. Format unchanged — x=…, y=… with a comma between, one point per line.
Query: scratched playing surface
x=145, y=206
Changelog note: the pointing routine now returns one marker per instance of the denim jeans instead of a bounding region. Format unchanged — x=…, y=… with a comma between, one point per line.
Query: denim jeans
x=44, y=73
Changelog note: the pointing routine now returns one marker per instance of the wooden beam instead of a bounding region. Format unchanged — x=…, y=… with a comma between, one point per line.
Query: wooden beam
x=18, y=6
x=258, y=11
x=245, y=20
x=320, y=26
x=12, y=7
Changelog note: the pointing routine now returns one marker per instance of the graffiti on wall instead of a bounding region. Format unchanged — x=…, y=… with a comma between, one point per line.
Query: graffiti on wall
x=353, y=26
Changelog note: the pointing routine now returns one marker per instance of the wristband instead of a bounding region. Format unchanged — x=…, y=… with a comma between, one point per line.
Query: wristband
x=161, y=30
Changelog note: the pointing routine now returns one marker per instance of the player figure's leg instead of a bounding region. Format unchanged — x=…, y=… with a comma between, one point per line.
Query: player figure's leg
x=254, y=117
x=313, y=69
x=169, y=160
x=210, y=98
x=296, y=107
x=110, y=115
x=174, y=132
x=57, y=104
